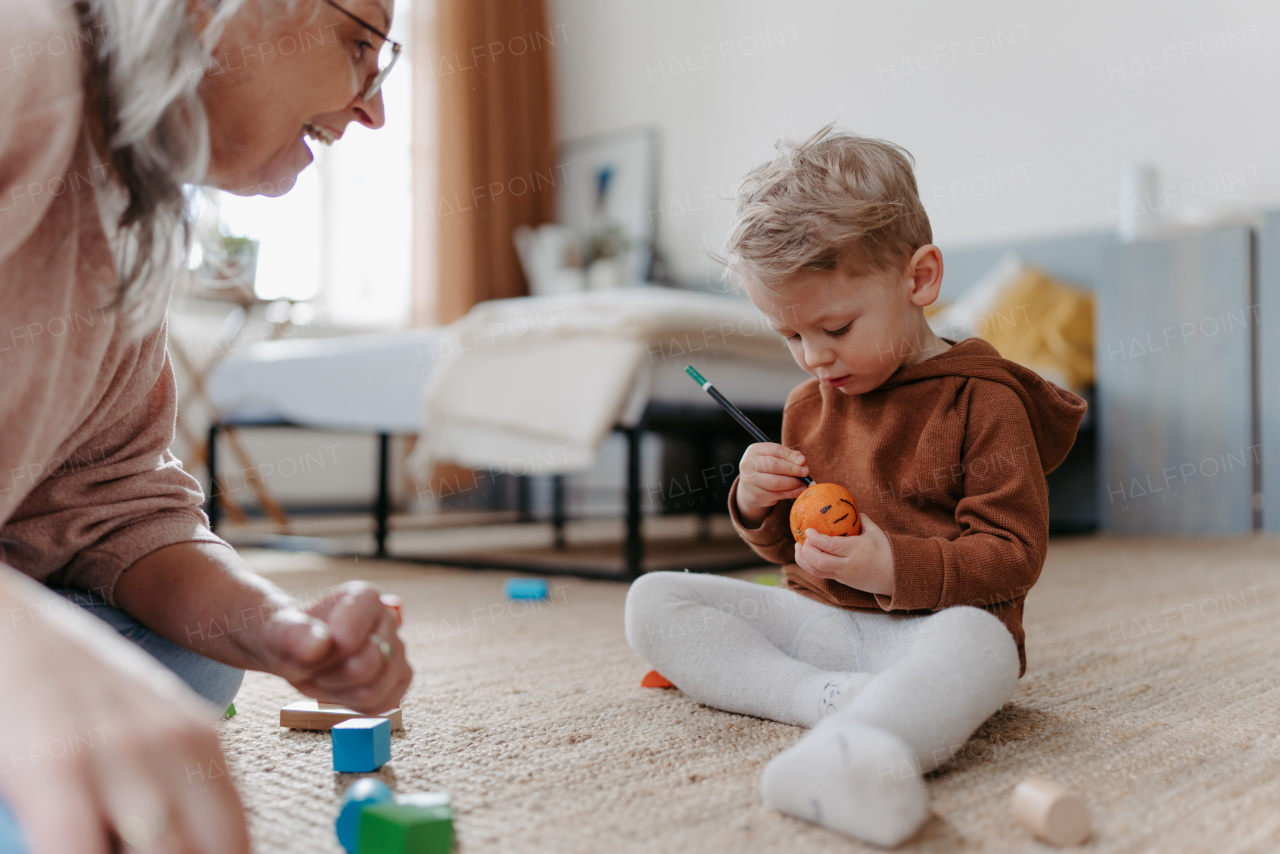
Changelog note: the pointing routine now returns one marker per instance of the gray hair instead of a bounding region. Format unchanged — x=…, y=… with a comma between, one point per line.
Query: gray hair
x=143, y=89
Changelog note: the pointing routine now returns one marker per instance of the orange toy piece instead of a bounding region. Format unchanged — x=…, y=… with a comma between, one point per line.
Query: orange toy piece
x=396, y=604
x=654, y=679
x=829, y=509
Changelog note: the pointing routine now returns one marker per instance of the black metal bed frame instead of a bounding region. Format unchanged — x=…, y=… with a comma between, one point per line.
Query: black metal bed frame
x=700, y=424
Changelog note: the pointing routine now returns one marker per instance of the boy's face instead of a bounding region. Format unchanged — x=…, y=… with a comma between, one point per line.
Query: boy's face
x=853, y=331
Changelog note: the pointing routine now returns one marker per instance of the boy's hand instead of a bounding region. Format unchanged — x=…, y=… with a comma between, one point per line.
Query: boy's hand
x=864, y=562
x=768, y=473
x=343, y=649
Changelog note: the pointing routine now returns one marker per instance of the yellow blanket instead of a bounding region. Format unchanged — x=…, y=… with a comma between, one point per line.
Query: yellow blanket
x=1039, y=322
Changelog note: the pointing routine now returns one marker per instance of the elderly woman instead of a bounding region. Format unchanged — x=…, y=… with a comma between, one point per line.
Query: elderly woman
x=107, y=109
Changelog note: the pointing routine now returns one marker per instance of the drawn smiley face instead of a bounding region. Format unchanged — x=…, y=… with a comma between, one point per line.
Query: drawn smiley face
x=827, y=508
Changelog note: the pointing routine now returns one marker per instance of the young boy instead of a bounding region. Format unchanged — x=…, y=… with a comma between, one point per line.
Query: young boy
x=895, y=645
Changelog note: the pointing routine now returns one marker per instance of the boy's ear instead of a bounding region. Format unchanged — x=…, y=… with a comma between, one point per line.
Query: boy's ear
x=925, y=272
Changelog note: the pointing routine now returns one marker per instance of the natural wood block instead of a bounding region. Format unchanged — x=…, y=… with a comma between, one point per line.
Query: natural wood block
x=308, y=714
x=1054, y=814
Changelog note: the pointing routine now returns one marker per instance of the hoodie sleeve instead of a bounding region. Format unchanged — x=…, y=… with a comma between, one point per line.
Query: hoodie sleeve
x=772, y=539
x=1003, y=516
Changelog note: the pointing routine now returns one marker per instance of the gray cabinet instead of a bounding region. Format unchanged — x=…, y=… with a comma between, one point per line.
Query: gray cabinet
x=1187, y=389
x=1268, y=386
x=1180, y=446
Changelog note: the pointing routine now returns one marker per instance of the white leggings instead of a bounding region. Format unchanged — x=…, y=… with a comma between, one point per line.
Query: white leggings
x=930, y=680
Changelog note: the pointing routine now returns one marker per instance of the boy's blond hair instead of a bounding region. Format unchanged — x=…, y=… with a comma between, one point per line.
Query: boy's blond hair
x=834, y=201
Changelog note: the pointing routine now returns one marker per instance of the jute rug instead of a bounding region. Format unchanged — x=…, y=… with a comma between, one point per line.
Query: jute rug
x=1153, y=689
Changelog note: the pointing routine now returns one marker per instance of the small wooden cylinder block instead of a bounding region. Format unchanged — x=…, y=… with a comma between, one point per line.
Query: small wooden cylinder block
x=1051, y=812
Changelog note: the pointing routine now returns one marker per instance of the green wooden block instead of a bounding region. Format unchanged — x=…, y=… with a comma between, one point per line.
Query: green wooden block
x=405, y=829
x=231, y=712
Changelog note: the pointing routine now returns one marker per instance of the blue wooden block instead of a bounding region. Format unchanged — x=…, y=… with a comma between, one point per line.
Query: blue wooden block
x=11, y=839
x=362, y=793
x=525, y=588
x=361, y=744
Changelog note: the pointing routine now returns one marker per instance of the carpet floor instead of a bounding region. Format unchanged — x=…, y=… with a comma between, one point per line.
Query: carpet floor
x=1153, y=690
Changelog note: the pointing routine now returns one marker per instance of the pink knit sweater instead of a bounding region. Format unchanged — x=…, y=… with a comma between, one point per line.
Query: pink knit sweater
x=87, y=410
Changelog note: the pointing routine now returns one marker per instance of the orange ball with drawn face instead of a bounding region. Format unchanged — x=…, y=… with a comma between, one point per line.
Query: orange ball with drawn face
x=828, y=508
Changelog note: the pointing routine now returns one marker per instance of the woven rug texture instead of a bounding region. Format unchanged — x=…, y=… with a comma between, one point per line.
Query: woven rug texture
x=1153, y=690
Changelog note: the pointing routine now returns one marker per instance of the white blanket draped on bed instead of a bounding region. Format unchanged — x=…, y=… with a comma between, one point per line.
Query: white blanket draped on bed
x=534, y=385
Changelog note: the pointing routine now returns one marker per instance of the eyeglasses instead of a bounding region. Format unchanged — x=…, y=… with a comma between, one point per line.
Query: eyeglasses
x=388, y=53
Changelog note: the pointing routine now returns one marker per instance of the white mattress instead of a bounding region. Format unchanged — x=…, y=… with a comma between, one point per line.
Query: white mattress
x=541, y=381
x=358, y=382
x=376, y=382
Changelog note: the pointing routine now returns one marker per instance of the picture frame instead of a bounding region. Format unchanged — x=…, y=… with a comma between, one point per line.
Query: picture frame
x=608, y=197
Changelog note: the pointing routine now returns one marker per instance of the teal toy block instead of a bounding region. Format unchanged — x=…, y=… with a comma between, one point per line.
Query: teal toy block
x=362, y=793
x=525, y=588
x=361, y=744
x=406, y=829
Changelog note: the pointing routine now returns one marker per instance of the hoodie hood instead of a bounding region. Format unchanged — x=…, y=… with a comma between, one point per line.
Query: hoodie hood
x=1055, y=413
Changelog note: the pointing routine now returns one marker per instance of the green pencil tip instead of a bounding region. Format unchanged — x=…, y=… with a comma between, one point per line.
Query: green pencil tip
x=697, y=377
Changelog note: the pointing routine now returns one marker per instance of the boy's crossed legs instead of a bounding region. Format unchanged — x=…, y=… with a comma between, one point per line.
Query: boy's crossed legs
x=889, y=697
x=747, y=648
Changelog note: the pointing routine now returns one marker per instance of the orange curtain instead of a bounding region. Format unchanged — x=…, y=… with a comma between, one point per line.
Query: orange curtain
x=495, y=150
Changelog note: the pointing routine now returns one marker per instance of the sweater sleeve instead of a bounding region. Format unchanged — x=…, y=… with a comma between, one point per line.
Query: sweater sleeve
x=40, y=113
x=772, y=538
x=1003, y=517
x=117, y=497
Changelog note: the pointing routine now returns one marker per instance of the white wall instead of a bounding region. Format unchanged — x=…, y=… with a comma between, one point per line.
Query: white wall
x=1020, y=115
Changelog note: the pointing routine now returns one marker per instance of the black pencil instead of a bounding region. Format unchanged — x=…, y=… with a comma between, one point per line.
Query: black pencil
x=735, y=412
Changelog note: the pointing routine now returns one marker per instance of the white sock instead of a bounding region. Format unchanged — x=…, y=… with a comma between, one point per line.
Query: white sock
x=857, y=779
x=859, y=771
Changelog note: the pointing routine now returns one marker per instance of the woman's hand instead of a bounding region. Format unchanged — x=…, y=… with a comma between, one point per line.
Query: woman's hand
x=343, y=649
x=99, y=744
x=768, y=473
x=864, y=562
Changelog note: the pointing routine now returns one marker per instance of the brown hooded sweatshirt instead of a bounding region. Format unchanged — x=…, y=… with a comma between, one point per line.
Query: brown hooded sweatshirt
x=949, y=457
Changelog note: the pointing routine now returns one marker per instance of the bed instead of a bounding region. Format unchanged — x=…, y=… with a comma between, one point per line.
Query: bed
x=531, y=387
x=361, y=382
